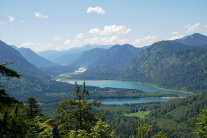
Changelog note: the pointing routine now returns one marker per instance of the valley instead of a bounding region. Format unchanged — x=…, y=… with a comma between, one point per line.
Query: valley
x=131, y=83
x=103, y=69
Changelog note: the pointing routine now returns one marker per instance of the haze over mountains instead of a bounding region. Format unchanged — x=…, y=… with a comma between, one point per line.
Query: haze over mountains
x=33, y=81
x=25, y=68
x=66, y=57
x=175, y=64
x=34, y=58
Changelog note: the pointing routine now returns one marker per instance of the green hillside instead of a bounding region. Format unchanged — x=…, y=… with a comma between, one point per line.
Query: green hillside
x=171, y=65
x=177, y=118
x=109, y=63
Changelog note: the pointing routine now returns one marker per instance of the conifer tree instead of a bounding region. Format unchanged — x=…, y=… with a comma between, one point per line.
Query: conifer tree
x=33, y=107
x=76, y=114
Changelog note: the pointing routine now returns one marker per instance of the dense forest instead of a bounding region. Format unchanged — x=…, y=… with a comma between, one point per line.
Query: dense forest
x=176, y=118
x=184, y=68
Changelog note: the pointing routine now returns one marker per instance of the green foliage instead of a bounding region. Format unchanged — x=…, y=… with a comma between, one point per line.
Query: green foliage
x=16, y=121
x=201, y=126
x=39, y=127
x=139, y=114
x=160, y=135
x=143, y=131
x=177, y=118
x=4, y=70
x=122, y=125
x=33, y=107
x=171, y=65
x=100, y=130
x=75, y=114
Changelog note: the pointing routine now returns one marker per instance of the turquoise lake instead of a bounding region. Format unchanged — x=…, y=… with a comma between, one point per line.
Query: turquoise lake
x=127, y=85
x=133, y=101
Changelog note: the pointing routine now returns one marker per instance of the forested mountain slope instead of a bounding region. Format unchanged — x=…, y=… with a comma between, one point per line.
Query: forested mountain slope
x=110, y=63
x=177, y=118
x=34, y=58
x=33, y=82
x=171, y=65
x=89, y=57
x=19, y=63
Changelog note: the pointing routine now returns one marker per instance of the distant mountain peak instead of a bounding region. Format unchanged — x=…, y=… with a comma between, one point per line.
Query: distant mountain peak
x=194, y=36
x=195, y=39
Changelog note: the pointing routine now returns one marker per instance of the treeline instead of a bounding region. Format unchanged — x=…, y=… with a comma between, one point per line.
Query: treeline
x=176, y=118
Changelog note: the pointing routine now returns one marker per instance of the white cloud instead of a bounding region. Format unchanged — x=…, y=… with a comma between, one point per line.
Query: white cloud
x=39, y=15
x=11, y=18
x=27, y=44
x=57, y=38
x=79, y=36
x=40, y=46
x=96, y=9
x=192, y=28
x=112, y=40
x=144, y=41
x=176, y=35
x=206, y=25
x=106, y=40
x=113, y=29
x=67, y=42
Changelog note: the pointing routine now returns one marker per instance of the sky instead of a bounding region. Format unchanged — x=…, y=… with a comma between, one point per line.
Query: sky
x=64, y=24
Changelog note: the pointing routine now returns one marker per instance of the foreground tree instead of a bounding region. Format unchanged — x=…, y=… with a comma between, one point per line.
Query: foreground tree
x=33, y=108
x=144, y=130
x=6, y=71
x=76, y=114
x=201, y=126
x=17, y=119
x=100, y=130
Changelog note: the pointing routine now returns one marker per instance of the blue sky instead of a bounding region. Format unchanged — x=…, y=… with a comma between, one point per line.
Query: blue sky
x=63, y=24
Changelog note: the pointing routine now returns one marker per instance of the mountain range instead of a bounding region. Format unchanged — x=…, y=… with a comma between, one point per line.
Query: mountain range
x=19, y=63
x=107, y=63
x=174, y=64
x=179, y=64
x=33, y=82
x=66, y=57
x=34, y=58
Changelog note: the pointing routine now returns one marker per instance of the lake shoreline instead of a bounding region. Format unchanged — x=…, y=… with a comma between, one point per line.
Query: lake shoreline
x=180, y=91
